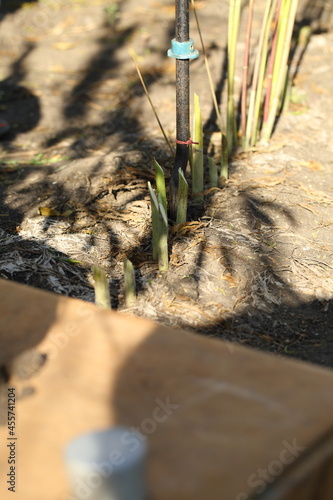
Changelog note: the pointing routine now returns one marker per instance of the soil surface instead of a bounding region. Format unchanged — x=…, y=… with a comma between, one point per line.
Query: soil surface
x=254, y=264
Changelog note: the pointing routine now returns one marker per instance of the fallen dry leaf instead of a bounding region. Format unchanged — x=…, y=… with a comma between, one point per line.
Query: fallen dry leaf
x=48, y=212
x=312, y=165
x=64, y=45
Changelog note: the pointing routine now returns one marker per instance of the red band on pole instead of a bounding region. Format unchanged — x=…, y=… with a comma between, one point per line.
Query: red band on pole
x=187, y=143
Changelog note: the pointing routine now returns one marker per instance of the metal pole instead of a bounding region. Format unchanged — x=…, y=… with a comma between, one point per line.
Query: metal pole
x=182, y=50
x=182, y=80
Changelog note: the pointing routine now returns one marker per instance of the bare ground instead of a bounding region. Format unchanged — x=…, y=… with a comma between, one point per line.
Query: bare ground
x=253, y=265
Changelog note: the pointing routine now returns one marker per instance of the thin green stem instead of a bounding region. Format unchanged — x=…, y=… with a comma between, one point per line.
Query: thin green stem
x=255, y=78
x=283, y=16
x=233, y=28
x=246, y=72
x=197, y=151
x=277, y=90
x=261, y=75
x=271, y=62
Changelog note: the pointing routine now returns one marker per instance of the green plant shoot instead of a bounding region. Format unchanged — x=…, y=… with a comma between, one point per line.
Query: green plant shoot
x=233, y=28
x=224, y=174
x=212, y=168
x=129, y=276
x=101, y=285
x=160, y=183
x=197, y=152
x=160, y=230
x=163, y=258
x=182, y=198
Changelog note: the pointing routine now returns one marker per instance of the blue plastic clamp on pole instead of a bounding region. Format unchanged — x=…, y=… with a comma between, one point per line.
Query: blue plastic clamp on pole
x=183, y=50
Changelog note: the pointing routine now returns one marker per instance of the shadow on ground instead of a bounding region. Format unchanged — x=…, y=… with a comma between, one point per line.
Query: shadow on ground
x=90, y=196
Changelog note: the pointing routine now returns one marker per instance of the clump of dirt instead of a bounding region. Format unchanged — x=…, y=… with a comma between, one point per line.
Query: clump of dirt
x=253, y=264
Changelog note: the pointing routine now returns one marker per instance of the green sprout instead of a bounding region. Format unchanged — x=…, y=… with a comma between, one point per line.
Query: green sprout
x=224, y=175
x=233, y=28
x=101, y=285
x=197, y=152
x=212, y=168
x=160, y=230
x=182, y=198
x=160, y=183
x=129, y=276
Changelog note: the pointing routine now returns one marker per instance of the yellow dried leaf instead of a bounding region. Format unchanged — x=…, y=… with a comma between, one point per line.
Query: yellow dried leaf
x=48, y=212
x=313, y=165
x=63, y=45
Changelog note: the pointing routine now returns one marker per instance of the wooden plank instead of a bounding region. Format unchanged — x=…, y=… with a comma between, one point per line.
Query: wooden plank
x=222, y=421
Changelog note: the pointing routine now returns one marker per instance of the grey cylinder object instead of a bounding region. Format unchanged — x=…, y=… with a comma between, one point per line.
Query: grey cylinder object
x=108, y=465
